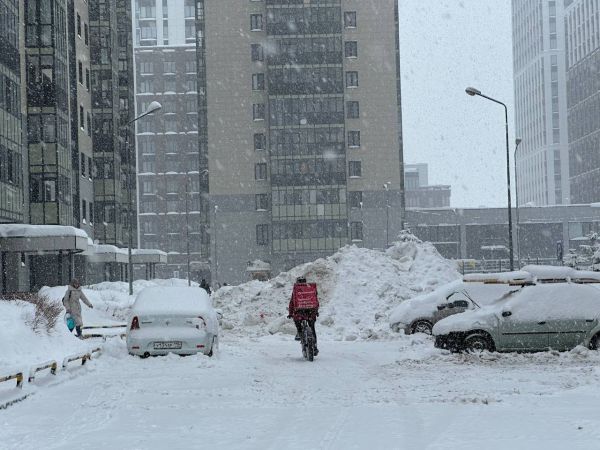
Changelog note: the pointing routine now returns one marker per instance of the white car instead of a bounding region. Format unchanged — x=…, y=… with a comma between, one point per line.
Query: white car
x=168, y=319
x=420, y=314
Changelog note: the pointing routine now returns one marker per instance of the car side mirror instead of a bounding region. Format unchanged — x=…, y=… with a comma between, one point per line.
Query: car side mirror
x=506, y=314
x=441, y=307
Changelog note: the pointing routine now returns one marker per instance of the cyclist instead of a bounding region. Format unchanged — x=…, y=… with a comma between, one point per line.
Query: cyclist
x=304, y=304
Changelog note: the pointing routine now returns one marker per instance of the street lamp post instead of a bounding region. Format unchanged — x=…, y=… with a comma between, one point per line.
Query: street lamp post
x=475, y=92
x=187, y=228
x=216, y=247
x=386, y=186
x=153, y=107
x=517, y=228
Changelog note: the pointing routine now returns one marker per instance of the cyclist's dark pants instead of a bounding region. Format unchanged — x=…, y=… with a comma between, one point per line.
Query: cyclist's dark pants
x=312, y=327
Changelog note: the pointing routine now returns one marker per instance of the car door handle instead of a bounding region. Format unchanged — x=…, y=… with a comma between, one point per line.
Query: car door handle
x=541, y=323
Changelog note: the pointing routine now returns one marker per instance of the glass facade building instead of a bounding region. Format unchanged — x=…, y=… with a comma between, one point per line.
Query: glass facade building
x=12, y=120
x=583, y=92
x=540, y=102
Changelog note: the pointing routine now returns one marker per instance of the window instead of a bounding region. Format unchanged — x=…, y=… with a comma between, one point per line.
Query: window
x=355, y=199
x=352, y=110
x=356, y=231
x=260, y=171
x=80, y=66
x=90, y=169
x=190, y=66
x=146, y=67
x=169, y=67
x=350, y=19
x=87, y=79
x=257, y=52
x=83, y=210
x=81, y=117
x=78, y=25
x=351, y=49
x=262, y=202
x=91, y=209
x=262, y=234
x=258, y=81
x=258, y=111
x=256, y=22
x=353, y=139
x=86, y=30
x=351, y=79
x=89, y=124
x=82, y=164
x=260, y=141
x=148, y=167
x=355, y=168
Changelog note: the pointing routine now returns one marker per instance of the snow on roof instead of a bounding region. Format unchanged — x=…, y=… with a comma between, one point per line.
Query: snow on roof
x=147, y=251
x=172, y=300
x=500, y=277
x=24, y=231
x=106, y=248
x=550, y=272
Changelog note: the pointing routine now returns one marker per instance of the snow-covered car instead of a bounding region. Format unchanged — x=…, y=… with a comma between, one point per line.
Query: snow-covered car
x=168, y=319
x=556, y=316
x=420, y=314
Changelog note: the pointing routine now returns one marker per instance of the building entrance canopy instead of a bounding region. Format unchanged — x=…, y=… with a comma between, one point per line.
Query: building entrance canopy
x=42, y=239
x=148, y=256
x=99, y=253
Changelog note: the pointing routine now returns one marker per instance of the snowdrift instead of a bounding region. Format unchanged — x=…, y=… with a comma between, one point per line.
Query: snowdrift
x=357, y=289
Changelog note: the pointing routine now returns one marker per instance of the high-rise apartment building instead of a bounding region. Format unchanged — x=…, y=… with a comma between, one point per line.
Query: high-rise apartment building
x=540, y=100
x=582, y=25
x=12, y=121
x=112, y=107
x=171, y=176
x=303, y=125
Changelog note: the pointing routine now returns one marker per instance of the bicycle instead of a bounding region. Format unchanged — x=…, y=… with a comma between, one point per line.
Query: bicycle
x=307, y=340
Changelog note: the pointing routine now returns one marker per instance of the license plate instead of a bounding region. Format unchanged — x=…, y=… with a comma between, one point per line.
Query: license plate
x=167, y=345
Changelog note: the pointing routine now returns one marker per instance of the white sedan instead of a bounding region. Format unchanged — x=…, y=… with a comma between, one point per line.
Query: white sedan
x=168, y=319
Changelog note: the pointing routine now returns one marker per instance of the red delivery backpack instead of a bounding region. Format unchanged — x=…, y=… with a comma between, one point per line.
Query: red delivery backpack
x=304, y=296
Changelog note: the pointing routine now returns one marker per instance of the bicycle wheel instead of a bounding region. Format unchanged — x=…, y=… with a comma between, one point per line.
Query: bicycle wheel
x=309, y=343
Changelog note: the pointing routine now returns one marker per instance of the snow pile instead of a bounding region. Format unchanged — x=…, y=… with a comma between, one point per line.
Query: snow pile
x=21, y=347
x=358, y=287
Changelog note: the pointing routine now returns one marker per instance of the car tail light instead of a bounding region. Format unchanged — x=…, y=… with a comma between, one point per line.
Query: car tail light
x=199, y=346
x=135, y=324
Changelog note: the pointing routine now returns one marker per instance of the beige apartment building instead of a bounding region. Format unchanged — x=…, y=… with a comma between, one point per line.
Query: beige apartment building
x=304, y=128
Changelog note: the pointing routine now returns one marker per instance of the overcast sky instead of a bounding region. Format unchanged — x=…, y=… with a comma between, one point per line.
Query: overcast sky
x=447, y=45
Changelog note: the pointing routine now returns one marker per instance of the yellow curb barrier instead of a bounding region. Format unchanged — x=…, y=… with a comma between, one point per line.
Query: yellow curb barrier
x=15, y=376
x=52, y=365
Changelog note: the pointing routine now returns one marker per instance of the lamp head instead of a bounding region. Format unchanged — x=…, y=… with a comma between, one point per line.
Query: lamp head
x=518, y=141
x=472, y=91
x=154, y=106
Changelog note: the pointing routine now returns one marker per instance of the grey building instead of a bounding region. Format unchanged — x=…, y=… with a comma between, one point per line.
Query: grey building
x=303, y=129
x=419, y=193
x=112, y=107
x=541, y=235
x=173, y=214
x=14, y=181
x=583, y=58
x=542, y=159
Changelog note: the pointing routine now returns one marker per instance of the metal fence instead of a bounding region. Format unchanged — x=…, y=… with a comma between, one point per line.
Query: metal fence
x=501, y=265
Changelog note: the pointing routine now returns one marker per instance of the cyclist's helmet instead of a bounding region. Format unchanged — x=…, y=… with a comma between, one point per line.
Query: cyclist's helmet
x=301, y=280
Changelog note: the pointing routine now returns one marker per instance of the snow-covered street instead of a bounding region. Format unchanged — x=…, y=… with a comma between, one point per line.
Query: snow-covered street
x=260, y=393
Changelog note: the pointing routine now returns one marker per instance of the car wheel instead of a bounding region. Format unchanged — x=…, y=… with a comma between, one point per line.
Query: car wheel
x=595, y=342
x=422, y=326
x=478, y=343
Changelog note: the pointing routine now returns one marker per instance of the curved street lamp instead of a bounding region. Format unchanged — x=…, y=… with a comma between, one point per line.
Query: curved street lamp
x=152, y=107
x=517, y=143
x=476, y=92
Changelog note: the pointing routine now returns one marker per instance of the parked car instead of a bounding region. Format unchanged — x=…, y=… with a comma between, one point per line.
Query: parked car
x=168, y=319
x=556, y=316
x=420, y=314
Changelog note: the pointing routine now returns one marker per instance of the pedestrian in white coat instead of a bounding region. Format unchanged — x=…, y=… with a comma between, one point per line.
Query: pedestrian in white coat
x=71, y=303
